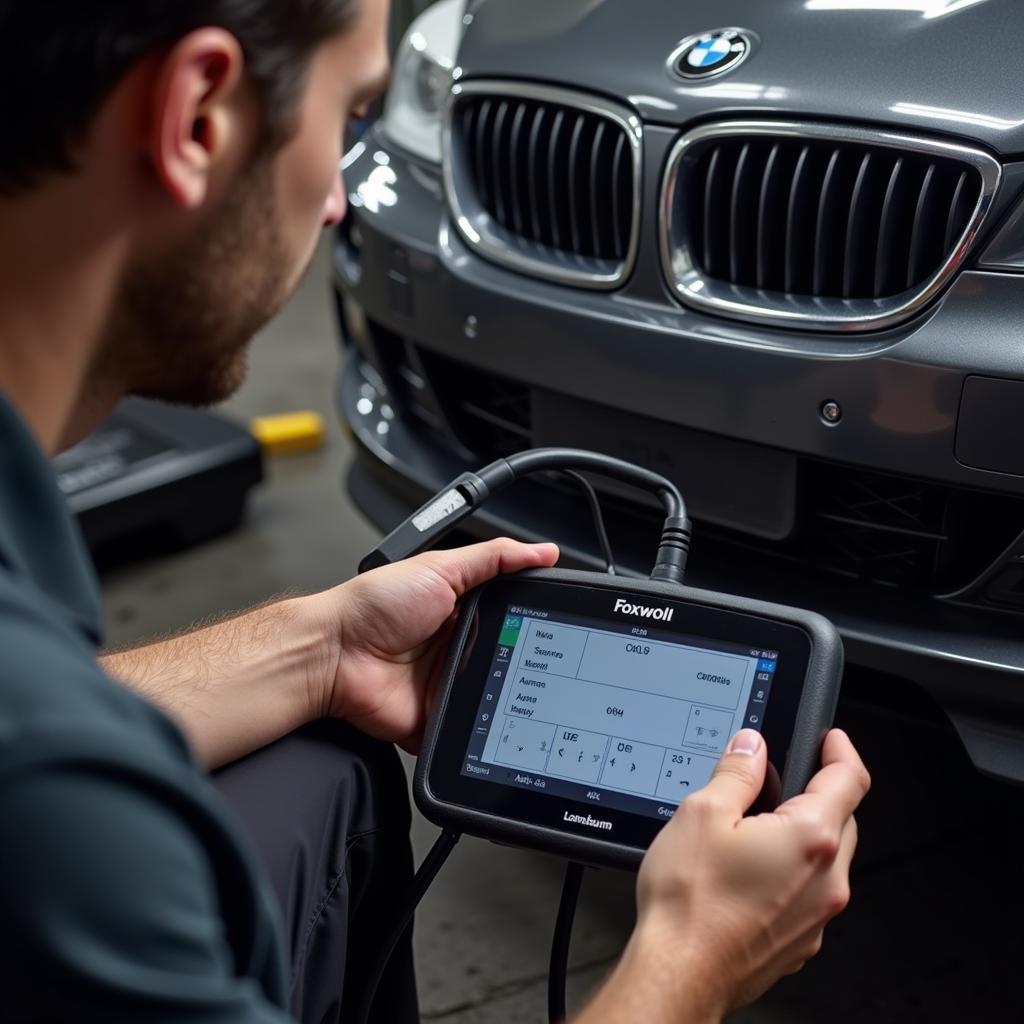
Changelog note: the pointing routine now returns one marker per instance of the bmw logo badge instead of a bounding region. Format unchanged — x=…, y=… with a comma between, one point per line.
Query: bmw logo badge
x=711, y=53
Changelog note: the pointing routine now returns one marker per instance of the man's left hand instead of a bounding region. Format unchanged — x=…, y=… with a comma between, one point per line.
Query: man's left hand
x=392, y=627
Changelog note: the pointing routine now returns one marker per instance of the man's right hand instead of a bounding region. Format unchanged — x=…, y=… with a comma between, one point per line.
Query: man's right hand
x=727, y=904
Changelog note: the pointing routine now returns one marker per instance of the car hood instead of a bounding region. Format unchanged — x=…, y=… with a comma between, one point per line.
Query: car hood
x=949, y=67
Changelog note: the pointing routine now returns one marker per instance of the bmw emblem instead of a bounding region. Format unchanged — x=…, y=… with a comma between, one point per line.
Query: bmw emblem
x=711, y=53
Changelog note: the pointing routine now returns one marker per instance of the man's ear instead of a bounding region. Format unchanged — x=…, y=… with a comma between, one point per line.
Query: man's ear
x=195, y=112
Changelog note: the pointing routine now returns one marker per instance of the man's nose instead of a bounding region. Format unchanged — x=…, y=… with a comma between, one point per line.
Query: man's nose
x=336, y=204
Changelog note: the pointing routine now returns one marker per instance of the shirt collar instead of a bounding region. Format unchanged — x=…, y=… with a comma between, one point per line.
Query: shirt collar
x=40, y=543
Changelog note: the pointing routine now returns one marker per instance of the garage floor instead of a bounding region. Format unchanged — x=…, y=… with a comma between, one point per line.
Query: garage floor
x=933, y=933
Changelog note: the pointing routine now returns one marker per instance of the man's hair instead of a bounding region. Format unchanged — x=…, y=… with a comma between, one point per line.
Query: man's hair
x=59, y=59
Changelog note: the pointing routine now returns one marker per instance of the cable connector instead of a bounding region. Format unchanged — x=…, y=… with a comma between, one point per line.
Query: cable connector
x=439, y=516
x=673, y=550
x=466, y=493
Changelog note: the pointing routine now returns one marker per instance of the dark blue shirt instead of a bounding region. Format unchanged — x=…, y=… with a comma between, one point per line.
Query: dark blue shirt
x=126, y=891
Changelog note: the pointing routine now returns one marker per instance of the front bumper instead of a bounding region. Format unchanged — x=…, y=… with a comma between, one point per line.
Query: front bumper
x=406, y=281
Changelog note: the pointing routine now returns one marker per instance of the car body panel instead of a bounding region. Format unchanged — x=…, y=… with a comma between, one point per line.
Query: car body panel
x=911, y=64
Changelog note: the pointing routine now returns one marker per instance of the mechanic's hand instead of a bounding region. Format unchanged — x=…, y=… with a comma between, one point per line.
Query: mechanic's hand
x=749, y=897
x=728, y=904
x=393, y=626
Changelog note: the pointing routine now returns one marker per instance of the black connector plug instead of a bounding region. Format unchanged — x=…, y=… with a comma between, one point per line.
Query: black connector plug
x=427, y=524
x=439, y=516
x=670, y=564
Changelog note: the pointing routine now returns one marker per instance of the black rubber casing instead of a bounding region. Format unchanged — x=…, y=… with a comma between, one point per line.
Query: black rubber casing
x=814, y=708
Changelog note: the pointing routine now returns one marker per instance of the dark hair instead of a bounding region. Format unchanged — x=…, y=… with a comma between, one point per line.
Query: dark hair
x=59, y=59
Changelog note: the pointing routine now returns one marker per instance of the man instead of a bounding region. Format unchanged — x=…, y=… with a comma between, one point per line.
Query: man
x=165, y=167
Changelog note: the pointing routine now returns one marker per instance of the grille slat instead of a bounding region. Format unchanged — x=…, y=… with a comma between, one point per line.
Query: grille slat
x=884, y=260
x=824, y=239
x=535, y=175
x=796, y=217
x=515, y=162
x=854, y=227
x=595, y=186
x=625, y=193
x=552, y=171
x=818, y=226
x=739, y=239
x=499, y=164
x=957, y=219
x=768, y=203
x=483, y=170
x=468, y=127
x=711, y=183
x=620, y=170
x=918, y=240
x=575, y=182
x=545, y=180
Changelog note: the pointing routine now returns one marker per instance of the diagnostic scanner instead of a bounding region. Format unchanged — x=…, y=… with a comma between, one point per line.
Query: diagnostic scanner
x=577, y=710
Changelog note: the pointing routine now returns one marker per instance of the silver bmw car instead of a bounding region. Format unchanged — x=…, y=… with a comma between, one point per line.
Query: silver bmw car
x=772, y=250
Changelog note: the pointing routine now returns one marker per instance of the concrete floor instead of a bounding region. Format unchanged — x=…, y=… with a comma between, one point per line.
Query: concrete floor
x=933, y=933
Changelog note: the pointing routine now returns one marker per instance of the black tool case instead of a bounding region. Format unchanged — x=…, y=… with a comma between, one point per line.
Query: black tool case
x=156, y=477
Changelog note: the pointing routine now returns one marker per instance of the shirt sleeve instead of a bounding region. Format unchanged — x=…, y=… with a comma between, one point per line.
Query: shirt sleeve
x=110, y=908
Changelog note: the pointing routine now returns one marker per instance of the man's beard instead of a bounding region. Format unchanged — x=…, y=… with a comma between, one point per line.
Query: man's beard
x=188, y=317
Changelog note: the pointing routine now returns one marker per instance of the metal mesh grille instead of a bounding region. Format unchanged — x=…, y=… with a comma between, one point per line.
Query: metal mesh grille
x=899, y=531
x=886, y=529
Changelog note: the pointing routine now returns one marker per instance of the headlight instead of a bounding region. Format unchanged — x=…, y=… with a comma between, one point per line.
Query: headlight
x=422, y=79
x=1006, y=250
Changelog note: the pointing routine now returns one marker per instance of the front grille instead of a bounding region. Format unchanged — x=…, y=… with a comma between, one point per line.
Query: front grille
x=819, y=227
x=545, y=181
x=846, y=222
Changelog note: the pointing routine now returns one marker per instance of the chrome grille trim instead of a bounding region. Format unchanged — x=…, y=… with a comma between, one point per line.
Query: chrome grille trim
x=697, y=289
x=553, y=263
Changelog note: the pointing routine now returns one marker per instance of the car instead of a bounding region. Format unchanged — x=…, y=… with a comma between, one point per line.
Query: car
x=773, y=251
